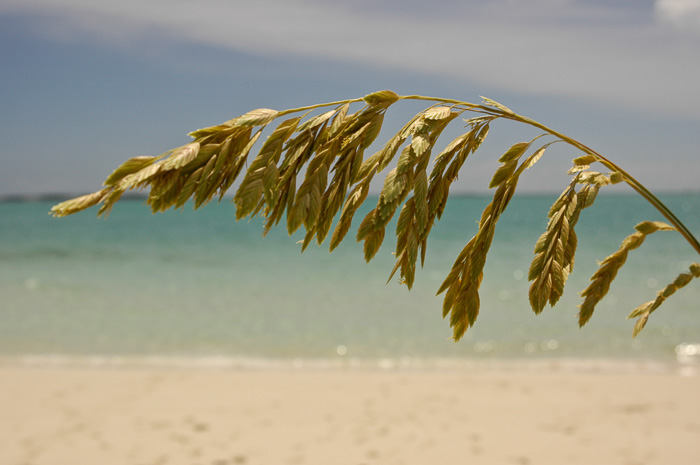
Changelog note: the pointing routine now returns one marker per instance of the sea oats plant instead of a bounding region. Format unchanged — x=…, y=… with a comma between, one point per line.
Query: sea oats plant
x=325, y=154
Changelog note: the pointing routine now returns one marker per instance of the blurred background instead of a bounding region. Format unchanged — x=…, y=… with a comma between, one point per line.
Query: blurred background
x=85, y=85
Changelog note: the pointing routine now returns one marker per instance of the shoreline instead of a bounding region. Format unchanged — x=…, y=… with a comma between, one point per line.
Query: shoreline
x=687, y=363
x=231, y=417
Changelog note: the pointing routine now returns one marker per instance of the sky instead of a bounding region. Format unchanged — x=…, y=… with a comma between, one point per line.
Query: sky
x=86, y=84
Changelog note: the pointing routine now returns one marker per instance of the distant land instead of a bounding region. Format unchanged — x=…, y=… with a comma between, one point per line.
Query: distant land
x=142, y=196
x=56, y=197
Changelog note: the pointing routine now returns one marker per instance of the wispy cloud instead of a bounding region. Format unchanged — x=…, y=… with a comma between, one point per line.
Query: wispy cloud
x=640, y=57
x=681, y=14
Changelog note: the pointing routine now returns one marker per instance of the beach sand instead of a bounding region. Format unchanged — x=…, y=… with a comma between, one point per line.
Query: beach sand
x=135, y=416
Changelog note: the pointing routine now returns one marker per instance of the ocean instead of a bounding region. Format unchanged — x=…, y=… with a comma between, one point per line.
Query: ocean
x=197, y=288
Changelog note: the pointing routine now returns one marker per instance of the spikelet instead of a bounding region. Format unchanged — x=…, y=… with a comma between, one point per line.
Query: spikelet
x=643, y=311
x=601, y=279
x=130, y=166
x=381, y=98
x=263, y=172
x=347, y=144
x=259, y=117
x=499, y=106
x=411, y=165
x=406, y=243
x=297, y=151
x=339, y=150
x=324, y=153
x=462, y=284
x=79, y=203
x=448, y=164
x=415, y=220
x=556, y=247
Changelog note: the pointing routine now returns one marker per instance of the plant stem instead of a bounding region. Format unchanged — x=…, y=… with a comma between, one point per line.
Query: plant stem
x=629, y=179
x=320, y=105
x=502, y=113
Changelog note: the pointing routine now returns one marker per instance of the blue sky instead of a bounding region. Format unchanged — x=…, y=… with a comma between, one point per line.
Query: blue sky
x=86, y=84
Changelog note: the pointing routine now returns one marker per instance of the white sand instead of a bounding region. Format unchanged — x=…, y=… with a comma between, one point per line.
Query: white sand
x=216, y=417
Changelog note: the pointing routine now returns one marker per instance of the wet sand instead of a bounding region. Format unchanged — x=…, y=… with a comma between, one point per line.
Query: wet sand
x=134, y=416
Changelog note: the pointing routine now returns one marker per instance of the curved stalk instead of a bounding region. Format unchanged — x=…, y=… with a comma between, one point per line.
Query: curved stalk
x=502, y=113
x=627, y=178
x=211, y=163
x=319, y=105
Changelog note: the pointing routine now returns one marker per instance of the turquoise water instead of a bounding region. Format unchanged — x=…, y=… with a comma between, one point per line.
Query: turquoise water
x=197, y=285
